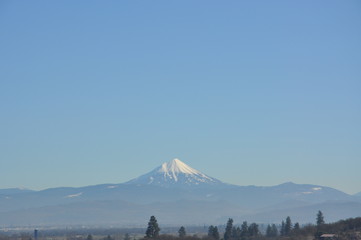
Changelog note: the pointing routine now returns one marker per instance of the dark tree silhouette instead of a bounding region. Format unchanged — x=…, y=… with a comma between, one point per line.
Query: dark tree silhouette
x=253, y=230
x=127, y=236
x=320, y=220
x=288, y=226
x=228, y=231
x=283, y=226
x=153, y=228
x=213, y=232
x=244, y=230
x=271, y=231
x=182, y=232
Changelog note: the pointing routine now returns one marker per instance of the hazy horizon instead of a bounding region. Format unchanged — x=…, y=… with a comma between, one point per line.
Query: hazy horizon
x=25, y=188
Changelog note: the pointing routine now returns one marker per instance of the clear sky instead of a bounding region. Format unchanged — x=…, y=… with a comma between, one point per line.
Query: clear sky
x=249, y=92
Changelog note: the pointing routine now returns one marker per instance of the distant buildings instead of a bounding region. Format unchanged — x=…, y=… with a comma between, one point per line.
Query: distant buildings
x=328, y=236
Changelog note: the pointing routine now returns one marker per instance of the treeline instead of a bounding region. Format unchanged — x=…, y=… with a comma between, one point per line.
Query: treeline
x=349, y=229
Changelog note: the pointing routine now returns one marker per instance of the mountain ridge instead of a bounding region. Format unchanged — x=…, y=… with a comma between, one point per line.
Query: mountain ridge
x=177, y=192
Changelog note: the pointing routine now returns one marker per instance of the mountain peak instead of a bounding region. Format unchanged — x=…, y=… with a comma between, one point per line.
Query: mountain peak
x=175, y=167
x=175, y=173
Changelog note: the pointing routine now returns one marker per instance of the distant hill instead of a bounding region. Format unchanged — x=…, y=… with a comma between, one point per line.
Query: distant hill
x=358, y=194
x=176, y=194
x=11, y=191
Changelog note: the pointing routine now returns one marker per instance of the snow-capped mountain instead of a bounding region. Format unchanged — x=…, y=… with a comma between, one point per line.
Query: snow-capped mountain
x=175, y=173
x=176, y=193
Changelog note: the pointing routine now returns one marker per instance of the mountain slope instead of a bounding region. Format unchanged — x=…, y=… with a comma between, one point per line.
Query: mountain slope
x=11, y=191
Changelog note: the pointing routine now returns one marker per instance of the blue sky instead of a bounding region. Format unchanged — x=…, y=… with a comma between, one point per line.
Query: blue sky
x=249, y=92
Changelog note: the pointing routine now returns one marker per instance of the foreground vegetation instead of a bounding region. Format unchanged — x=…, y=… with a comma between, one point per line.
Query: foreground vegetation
x=349, y=229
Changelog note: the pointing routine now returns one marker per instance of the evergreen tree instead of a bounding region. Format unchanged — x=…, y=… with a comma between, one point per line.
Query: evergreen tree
x=320, y=221
x=210, y=231
x=127, y=236
x=108, y=238
x=244, y=230
x=213, y=232
x=296, y=227
x=282, y=228
x=274, y=230
x=253, y=230
x=228, y=231
x=236, y=233
x=216, y=233
x=153, y=228
x=269, y=231
x=89, y=237
x=182, y=232
x=288, y=226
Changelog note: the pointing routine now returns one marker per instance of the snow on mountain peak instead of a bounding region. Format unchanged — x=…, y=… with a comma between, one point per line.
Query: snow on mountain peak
x=177, y=166
x=175, y=172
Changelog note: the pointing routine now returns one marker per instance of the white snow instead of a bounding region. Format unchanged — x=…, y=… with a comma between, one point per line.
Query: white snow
x=316, y=188
x=112, y=187
x=174, y=172
x=177, y=166
x=74, y=195
x=173, y=168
